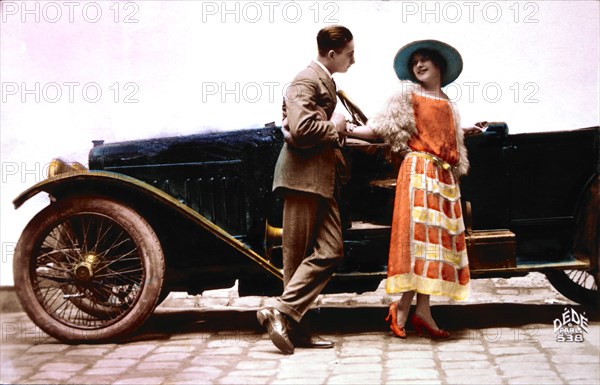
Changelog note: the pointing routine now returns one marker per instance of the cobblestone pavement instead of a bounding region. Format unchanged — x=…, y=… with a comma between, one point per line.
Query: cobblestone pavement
x=504, y=334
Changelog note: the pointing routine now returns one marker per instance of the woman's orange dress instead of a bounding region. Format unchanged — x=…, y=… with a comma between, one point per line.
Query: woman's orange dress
x=427, y=249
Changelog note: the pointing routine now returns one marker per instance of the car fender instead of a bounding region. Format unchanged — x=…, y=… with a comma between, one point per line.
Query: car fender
x=77, y=181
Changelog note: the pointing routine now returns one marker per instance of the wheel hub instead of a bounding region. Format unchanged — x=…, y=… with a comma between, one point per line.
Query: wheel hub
x=84, y=271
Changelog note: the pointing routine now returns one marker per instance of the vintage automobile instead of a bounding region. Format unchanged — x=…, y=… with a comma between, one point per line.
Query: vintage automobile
x=197, y=212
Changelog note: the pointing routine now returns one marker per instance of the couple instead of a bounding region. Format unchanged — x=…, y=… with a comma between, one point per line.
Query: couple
x=427, y=250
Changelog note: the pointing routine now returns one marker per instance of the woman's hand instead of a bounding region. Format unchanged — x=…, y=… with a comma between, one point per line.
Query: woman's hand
x=477, y=128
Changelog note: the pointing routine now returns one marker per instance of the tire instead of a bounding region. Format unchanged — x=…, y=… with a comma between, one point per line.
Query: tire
x=163, y=295
x=88, y=269
x=581, y=286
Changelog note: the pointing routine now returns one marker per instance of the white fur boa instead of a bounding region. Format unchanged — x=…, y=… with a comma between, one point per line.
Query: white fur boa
x=462, y=168
x=395, y=124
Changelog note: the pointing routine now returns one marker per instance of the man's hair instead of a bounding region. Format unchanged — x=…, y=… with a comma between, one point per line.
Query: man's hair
x=334, y=37
x=432, y=55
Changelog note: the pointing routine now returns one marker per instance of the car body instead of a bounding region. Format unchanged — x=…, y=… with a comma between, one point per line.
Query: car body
x=197, y=212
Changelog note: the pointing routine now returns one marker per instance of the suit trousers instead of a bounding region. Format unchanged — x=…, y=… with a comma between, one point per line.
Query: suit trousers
x=312, y=246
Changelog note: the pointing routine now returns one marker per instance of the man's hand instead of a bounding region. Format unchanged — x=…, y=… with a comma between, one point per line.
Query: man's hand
x=338, y=119
x=287, y=135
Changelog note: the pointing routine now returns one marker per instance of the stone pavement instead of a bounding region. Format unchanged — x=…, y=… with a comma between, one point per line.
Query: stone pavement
x=504, y=334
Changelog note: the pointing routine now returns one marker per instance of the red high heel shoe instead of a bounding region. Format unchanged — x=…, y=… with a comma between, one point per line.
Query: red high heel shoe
x=393, y=320
x=419, y=323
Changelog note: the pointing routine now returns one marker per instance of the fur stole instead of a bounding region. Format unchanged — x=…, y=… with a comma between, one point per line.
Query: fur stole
x=462, y=168
x=395, y=124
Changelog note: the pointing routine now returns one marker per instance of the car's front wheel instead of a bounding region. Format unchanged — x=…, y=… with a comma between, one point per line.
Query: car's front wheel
x=88, y=268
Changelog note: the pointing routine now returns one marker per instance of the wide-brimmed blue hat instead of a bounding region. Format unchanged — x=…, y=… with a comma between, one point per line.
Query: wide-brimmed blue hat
x=450, y=54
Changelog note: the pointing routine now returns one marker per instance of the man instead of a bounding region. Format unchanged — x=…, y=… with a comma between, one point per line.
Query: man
x=306, y=175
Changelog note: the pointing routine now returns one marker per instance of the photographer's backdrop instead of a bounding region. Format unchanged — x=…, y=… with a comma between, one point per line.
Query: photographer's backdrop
x=72, y=72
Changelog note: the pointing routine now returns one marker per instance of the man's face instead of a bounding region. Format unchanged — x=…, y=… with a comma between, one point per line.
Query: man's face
x=344, y=59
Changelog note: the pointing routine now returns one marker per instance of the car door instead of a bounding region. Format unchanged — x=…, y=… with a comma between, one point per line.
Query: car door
x=486, y=185
x=548, y=175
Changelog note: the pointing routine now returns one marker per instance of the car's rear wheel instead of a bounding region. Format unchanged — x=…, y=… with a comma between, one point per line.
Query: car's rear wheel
x=88, y=268
x=582, y=285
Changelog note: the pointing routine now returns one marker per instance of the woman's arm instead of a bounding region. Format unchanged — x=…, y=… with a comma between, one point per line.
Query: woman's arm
x=360, y=132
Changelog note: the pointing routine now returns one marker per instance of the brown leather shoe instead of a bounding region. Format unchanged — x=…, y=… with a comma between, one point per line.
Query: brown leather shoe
x=277, y=328
x=312, y=341
x=301, y=337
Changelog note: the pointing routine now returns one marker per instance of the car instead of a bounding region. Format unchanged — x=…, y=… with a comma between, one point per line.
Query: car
x=197, y=212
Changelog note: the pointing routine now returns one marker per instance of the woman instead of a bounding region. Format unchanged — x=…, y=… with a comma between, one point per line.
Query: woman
x=427, y=250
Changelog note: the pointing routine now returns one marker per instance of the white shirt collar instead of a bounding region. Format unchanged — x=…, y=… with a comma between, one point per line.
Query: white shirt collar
x=324, y=68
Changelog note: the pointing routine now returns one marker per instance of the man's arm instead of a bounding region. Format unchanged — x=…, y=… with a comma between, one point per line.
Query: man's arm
x=306, y=127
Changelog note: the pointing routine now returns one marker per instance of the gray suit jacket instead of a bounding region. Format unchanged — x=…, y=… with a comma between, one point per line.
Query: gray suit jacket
x=312, y=166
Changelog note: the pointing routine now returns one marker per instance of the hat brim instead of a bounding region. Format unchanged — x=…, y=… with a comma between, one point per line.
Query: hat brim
x=450, y=54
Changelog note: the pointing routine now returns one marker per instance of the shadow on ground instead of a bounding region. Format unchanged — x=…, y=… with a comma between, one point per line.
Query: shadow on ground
x=167, y=322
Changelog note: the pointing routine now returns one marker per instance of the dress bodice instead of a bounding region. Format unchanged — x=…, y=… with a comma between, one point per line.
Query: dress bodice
x=436, y=129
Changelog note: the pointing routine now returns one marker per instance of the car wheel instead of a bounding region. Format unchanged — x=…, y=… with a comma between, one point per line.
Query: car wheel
x=163, y=295
x=88, y=268
x=581, y=286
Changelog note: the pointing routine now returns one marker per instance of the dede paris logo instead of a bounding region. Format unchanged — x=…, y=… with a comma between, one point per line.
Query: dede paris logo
x=571, y=326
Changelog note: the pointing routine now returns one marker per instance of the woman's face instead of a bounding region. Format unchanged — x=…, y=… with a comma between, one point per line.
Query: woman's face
x=425, y=70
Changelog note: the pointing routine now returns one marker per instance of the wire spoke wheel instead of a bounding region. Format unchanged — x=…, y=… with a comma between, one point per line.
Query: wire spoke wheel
x=87, y=271
x=582, y=285
x=88, y=268
x=583, y=279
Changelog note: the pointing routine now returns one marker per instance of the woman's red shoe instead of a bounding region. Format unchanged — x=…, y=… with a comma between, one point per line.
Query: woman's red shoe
x=419, y=324
x=393, y=320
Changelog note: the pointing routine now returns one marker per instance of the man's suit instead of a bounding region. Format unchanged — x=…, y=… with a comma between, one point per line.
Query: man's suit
x=306, y=176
